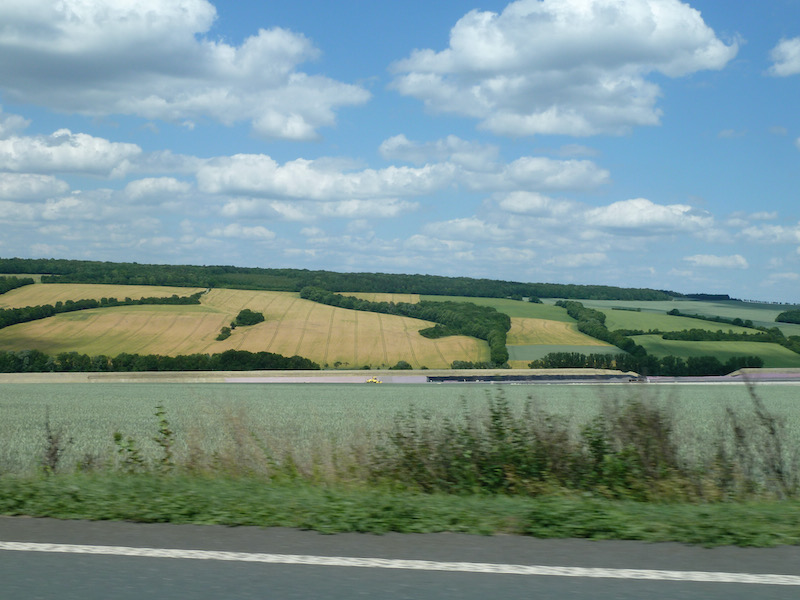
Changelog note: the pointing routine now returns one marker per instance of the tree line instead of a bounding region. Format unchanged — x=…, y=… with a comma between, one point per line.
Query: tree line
x=74, y=271
x=789, y=316
x=13, y=316
x=672, y=366
x=592, y=323
x=34, y=361
x=451, y=318
x=11, y=283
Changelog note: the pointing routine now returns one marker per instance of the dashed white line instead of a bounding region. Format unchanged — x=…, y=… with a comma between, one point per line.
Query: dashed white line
x=413, y=565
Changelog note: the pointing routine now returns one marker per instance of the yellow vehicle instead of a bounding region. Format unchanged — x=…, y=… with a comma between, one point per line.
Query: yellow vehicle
x=373, y=380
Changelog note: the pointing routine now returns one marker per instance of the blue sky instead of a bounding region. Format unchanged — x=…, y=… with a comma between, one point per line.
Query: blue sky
x=638, y=143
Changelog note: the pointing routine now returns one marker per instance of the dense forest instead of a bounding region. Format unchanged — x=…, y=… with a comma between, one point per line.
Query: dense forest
x=293, y=280
x=34, y=361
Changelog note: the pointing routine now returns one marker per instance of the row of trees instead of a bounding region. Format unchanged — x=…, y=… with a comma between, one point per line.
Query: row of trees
x=592, y=322
x=11, y=283
x=714, y=319
x=673, y=366
x=13, y=316
x=451, y=318
x=789, y=316
x=34, y=361
x=72, y=271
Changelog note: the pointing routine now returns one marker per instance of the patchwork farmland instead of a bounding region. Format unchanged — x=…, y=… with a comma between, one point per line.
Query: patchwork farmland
x=327, y=335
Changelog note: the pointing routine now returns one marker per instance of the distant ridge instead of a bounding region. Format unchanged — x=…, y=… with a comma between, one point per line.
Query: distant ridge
x=293, y=280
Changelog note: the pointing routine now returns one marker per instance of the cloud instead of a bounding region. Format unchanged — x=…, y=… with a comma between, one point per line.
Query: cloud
x=471, y=155
x=786, y=58
x=67, y=152
x=11, y=124
x=540, y=173
x=150, y=58
x=260, y=175
x=156, y=187
x=24, y=186
x=574, y=67
x=736, y=261
x=240, y=232
x=534, y=204
x=643, y=216
x=469, y=228
x=573, y=261
x=772, y=234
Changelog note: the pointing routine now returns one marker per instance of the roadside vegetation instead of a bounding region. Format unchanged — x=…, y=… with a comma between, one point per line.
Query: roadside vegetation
x=625, y=473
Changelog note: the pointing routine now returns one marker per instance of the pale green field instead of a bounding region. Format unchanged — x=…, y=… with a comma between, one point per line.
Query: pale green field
x=319, y=418
x=761, y=314
x=513, y=308
x=626, y=319
x=773, y=354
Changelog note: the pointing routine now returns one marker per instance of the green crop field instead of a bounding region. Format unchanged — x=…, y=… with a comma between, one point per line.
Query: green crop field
x=626, y=319
x=513, y=308
x=762, y=315
x=318, y=418
x=773, y=354
x=528, y=332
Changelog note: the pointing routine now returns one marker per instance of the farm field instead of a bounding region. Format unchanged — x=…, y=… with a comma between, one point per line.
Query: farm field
x=626, y=319
x=520, y=356
x=50, y=293
x=773, y=354
x=378, y=297
x=513, y=308
x=309, y=420
x=327, y=335
x=761, y=314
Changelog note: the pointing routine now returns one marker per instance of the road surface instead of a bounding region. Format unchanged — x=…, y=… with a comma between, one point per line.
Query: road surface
x=45, y=558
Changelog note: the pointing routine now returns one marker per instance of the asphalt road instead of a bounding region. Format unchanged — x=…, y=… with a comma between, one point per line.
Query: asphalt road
x=45, y=558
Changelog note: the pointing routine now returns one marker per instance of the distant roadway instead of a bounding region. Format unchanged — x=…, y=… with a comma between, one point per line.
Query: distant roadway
x=78, y=560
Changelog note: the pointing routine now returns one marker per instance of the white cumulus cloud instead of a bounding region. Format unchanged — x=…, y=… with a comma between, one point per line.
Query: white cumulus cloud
x=66, y=152
x=25, y=186
x=736, y=261
x=151, y=58
x=155, y=187
x=575, y=67
x=644, y=216
x=241, y=232
x=786, y=58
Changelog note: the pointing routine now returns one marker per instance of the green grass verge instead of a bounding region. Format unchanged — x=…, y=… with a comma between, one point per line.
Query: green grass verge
x=774, y=356
x=151, y=498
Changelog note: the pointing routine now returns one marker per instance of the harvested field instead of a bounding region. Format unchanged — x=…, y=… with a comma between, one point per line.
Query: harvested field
x=324, y=334
x=50, y=293
x=527, y=332
x=378, y=297
x=525, y=354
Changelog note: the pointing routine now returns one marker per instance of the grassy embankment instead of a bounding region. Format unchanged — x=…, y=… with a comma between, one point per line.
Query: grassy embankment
x=301, y=456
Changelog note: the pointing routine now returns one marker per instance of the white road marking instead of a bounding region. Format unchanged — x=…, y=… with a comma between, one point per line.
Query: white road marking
x=413, y=565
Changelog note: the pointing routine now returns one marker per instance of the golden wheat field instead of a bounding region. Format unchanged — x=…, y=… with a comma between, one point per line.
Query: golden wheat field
x=529, y=332
x=327, y=335
x=50, y=293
